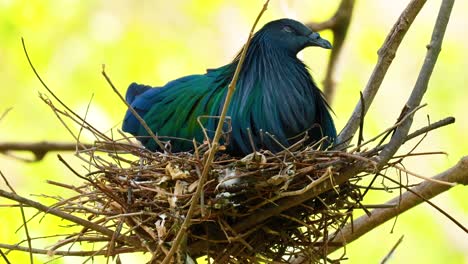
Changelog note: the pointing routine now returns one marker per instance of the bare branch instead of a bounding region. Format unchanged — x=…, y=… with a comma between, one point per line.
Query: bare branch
x=23, y=218
x=386, y=55
x=5, y=113
x=433, y=50
x=137, y=116
x=43, y=208
x=55, y=96
x=39, y=149
x=70, y=253
x=390, y=253
x=338, y=24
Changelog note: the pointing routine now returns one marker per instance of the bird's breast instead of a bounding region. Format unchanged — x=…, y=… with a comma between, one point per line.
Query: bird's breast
x=278, y=104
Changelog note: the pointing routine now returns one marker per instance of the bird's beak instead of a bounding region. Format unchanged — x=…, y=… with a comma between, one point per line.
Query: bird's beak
x=316, y=40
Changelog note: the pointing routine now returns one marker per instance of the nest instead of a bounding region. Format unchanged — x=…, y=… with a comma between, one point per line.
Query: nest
x=146, y=195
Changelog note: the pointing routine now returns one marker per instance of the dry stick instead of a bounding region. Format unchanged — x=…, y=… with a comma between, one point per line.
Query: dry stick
x=23, y=217
x=5, y=113
x=4, y=257
x=214, y=147
x=142, y=122
x=427, y=189
x=398, y=167
x=389, y=255
x=87, y=224
x=433, y=50
x=338, y=24
x=39, y=149
x=421, y=131
x=386, y=54
x=55, y=96
x=70, y=253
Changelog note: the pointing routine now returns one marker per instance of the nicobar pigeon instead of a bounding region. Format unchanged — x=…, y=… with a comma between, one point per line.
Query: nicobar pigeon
x=276, y=99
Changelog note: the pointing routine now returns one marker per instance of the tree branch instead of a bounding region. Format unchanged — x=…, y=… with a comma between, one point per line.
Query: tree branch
x=386, y=54
x=338, y=24
x=79, y=221
x=427, y=190
x=433, y=50
x=134, y=112
x=39, y=149
x=70, y=253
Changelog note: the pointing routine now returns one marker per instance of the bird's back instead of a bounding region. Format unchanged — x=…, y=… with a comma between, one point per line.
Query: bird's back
x=171, y=111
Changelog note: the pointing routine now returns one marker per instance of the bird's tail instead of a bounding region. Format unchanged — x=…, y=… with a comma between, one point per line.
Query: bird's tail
x=134, y=90
x=130, y=123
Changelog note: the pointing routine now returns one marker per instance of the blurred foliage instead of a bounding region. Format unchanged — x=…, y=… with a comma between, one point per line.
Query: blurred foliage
x=152, y=42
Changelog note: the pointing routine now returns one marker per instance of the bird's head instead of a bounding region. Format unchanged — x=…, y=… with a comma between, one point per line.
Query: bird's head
x=291, y=35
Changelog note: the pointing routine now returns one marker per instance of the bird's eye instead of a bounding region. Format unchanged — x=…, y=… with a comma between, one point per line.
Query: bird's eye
x=288, y=29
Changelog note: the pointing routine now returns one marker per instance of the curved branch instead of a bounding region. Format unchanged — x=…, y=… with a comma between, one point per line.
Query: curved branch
x=386, y=55
x=39, y=149
x=77, y=220
x=67, y=253
x=338, y=24
x=433, y=50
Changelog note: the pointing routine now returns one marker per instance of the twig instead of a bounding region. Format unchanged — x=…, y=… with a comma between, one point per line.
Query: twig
x=39, y=149
x=4, y=257
x=422, y=177
x=141, y=120
x=361, y=125
x=43, y=208
x=80, y=253
x=386, y=55
x=23, y=218
x=214, y=147
x=338, y=24
x=424, y=130
x=433, y=50
x=5, y=113
x=55, y=96
x=387, y=257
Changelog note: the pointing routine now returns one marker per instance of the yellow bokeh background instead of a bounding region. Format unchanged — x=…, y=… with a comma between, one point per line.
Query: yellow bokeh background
x=152, y=42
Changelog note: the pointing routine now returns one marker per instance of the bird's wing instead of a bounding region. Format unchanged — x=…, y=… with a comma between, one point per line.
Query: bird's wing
x=172, y=110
